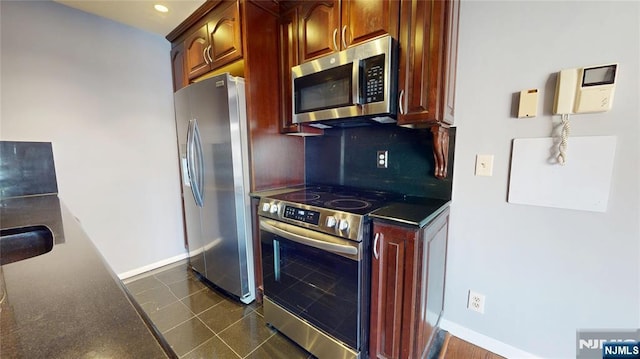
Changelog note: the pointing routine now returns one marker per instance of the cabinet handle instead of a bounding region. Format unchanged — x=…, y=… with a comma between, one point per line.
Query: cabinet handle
x=344, y=34
x=400, y=102
x=375, y=246
x=209, y=54
x=204, y=55
x=335, y=44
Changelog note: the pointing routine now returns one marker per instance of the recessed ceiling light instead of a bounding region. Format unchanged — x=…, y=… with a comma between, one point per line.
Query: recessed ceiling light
x=161, y=8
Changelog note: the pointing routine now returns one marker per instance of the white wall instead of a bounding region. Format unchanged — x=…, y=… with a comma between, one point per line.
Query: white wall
x=101, y=93
x=545, y=272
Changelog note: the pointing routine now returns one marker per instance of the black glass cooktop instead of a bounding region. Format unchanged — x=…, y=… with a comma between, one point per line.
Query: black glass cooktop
x=345, y=199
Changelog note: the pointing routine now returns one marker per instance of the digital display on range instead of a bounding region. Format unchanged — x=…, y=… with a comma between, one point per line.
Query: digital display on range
x=302, y=215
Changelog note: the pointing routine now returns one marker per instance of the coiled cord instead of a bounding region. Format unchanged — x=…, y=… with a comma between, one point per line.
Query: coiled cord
x=566, y=128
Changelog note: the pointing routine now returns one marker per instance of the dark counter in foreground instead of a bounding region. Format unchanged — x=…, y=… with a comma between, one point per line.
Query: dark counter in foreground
x=413, y=211
x=66, y=303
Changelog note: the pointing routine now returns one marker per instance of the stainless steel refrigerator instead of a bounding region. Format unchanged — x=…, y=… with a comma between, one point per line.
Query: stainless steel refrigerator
x=212, y=139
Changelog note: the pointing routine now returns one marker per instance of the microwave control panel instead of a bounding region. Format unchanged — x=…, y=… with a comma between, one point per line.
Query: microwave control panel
x=373, y=71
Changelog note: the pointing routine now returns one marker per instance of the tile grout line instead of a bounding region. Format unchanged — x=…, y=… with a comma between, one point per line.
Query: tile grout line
x=217, y=336
x=230, y=325
x=194, y=314
x=184, y=321
x=259, y=345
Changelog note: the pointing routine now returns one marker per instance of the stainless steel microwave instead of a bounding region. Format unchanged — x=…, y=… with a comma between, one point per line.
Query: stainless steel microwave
x=360, y=81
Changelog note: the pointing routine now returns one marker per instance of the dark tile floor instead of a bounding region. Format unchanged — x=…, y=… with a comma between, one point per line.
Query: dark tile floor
x=200, y=322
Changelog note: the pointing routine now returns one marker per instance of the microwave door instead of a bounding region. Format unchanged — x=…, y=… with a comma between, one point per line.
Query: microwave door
x=327, y=94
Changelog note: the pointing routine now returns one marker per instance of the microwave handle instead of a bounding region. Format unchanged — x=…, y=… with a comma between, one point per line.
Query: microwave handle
x=356, y=78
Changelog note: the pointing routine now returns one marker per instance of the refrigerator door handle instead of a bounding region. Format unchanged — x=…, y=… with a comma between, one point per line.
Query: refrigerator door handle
x=200, y=162
x=194, y=162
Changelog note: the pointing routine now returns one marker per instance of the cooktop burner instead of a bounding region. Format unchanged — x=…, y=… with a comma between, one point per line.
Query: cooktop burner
x=302, y=196
x=348, y=204
x=345, y=199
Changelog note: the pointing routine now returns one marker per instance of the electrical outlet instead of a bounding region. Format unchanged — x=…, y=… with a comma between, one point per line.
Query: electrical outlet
x=382, y=159
x=484, y=165
x=476, y=302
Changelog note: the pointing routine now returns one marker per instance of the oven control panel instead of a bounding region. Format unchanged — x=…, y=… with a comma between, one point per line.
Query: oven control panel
x=337, y=223
x=303, y=215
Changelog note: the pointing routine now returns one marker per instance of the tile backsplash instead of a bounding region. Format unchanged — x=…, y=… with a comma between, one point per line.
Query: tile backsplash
x=26, y=168
x=347, y=156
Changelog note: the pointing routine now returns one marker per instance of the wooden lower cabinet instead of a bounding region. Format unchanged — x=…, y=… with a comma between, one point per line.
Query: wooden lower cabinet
x=407, y=287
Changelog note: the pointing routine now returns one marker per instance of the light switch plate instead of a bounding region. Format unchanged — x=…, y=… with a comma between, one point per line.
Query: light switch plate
x=484, y=165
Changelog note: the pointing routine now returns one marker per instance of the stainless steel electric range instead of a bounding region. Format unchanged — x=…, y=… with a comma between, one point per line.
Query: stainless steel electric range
x=316, y=267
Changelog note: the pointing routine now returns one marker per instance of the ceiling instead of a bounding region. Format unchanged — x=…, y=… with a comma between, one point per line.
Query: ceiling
x=139, y=13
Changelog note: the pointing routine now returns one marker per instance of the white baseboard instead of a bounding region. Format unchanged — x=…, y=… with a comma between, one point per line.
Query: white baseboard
x=484, y=341
x=152, y=266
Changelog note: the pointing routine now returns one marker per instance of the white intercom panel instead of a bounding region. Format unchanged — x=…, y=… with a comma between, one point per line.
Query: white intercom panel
x=584, y=90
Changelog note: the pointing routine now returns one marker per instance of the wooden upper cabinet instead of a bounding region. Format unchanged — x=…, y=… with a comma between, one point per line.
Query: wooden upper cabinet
x=289, y=57
x=225, y=35
x=451, y=61
x=288, y=41
x=178, y=65
x=331, y=26
x=363, y=20
x=196, y=45
x=428, y=51
x=319, y=23
x=215, y=43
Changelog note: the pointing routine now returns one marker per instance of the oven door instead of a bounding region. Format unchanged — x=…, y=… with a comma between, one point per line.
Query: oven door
x=316, y=277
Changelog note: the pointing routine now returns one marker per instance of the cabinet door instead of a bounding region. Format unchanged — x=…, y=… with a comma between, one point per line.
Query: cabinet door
x=393, y=254
x=288, y=39
x=319, y=29
x=421, y=61
x=451, y=60
x=430, y=282
x=178, y=67
x=225, y=35
x=363, y=20
x=195, y=46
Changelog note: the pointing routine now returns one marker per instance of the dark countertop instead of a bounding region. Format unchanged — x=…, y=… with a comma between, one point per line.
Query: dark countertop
x=274, y=192
x=66, y=303
x=413, y=211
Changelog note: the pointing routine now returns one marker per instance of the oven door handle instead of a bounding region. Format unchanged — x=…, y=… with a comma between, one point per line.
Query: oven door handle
x=311, y=238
